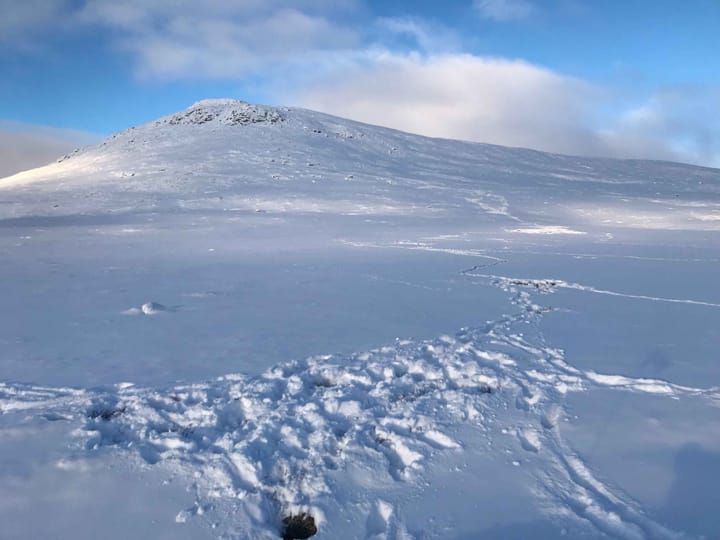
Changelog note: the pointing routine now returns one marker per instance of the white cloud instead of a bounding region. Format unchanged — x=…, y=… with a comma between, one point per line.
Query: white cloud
x=514, y=103
x=26, y=146
x=462, y=96
x=504, y=10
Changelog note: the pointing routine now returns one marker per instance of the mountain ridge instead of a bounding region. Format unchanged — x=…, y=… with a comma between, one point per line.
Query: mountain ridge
x=236, y=112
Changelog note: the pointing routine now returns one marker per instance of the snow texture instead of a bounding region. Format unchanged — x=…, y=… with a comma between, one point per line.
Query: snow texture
x=402, y=337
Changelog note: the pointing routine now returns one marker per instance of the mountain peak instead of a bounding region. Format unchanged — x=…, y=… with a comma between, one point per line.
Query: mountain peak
x=231, y=112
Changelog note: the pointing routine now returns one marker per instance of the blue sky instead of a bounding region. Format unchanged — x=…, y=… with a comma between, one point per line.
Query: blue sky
x=633, y=78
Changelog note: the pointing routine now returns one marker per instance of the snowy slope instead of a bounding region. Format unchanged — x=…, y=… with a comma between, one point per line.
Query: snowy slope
x=238, y=313
x=231, y=156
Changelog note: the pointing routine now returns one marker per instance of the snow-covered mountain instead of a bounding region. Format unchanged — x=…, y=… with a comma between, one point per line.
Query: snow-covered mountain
x=239, y=314
x=227, y=155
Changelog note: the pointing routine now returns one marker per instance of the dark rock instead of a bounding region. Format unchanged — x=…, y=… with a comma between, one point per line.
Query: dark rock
x=105, y=413
x=298, y=527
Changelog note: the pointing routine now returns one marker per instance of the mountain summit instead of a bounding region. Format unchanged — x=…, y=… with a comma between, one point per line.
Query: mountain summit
x=230, y=112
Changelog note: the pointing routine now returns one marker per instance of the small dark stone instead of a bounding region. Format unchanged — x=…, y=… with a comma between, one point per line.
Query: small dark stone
x=105, y=413
x=299, y=527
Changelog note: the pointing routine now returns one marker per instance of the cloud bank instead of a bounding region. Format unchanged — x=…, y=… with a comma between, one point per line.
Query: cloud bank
x=25, y=146
x=462, y=96
x=514, y=103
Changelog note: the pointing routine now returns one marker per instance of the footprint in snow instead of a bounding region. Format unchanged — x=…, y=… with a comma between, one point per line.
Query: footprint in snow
x=378, y=520
x=529, y=440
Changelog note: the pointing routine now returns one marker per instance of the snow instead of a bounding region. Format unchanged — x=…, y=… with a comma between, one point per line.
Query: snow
x=238, y=313
x=547, y=229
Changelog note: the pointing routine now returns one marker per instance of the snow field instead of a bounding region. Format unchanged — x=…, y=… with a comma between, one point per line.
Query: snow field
x=274, y=445
x=239, y=238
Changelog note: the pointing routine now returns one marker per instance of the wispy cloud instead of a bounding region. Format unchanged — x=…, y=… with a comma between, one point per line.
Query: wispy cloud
x=420, y=35
x=26, y=146
x=504, y=10
x=214, y=39
x=22, y=22
x=675, y=123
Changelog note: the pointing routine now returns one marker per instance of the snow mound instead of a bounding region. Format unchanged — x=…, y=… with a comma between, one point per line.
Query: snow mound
x=148, y=308
x=152, y=308
x=229, y=112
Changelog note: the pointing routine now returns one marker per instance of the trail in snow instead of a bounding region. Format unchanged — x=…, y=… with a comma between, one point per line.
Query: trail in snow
x=423, y=246
x=593, y=255
x=560, y=284
x=273, y=445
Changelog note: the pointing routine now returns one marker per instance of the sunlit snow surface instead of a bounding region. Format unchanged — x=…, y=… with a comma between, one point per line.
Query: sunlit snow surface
x=238, y=312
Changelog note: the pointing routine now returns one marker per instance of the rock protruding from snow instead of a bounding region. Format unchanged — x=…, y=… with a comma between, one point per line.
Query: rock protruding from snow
x=299, y=527
x=228, y=112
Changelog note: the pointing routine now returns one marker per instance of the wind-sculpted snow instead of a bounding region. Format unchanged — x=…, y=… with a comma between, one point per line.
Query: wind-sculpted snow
x=283, y=443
